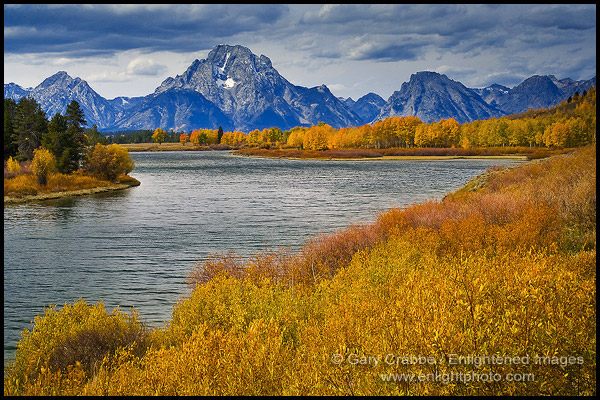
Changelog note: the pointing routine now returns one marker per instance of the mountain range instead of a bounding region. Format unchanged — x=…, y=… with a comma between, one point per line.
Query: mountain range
x=239, y=90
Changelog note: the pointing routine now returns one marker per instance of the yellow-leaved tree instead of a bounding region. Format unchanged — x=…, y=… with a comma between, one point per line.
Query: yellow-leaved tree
x=43, y=164
x=159, y=135
x=13, y=166
x=107, y=162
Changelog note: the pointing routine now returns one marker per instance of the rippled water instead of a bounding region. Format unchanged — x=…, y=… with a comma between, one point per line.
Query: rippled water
x=134, y=247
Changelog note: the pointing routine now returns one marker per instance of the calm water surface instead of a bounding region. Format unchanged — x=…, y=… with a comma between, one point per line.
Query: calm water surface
x=134, y=247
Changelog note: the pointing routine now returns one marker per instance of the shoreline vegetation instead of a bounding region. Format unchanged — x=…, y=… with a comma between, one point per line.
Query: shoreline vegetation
x=104, y=169
x=520, y=153
x=49, y=159
x=123, y=182
x=517, y=153
x=165, y=146
x=502, y=269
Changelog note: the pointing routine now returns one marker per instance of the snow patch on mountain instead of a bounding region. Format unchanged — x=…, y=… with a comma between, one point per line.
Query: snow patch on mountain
x=222, y=69
x=227, y=84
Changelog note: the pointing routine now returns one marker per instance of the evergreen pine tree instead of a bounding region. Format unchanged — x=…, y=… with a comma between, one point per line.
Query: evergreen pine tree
x=30, y=125
x=10, y=142
x=73, y=153
x=220, y=134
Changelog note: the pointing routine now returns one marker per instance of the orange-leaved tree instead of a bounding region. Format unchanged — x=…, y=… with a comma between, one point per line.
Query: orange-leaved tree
x=184, y=138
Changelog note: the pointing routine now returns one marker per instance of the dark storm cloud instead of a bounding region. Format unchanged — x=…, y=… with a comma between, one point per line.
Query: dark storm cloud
x=443, y=20
x=381, y=32
x=387, y=50
x=562, y=17
x=393, y=32
x=82, y=30
x=459, y=28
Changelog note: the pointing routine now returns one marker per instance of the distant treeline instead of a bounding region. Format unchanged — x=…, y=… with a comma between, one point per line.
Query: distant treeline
x=139, y=136
x=569, y=124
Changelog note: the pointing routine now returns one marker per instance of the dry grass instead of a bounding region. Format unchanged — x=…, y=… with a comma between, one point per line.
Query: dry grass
x=22, y=188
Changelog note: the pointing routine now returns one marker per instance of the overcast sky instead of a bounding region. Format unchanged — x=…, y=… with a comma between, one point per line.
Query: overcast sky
x=128, y=50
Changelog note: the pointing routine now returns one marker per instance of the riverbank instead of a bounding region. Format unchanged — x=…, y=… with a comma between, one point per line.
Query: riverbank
x=515, y=153
x=123, y=182
x=135, y=147
x=388, y=158
x=414, y=153
x=490, y=291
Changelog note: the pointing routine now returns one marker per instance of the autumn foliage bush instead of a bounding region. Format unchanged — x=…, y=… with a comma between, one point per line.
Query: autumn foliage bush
x=507, y=270
x=319, y=258
x=21, y=185
x=107, y=162
x=43, y=164
x=13, y=166
x=72, y=343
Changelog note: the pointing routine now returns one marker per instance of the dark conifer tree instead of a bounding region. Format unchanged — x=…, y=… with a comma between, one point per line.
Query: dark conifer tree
x=30, y=125
x=73, y=153
x=58, y=141
x=219, y=134
x=10, y=139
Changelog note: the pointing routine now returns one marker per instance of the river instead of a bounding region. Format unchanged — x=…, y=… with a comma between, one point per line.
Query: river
x=134, y=247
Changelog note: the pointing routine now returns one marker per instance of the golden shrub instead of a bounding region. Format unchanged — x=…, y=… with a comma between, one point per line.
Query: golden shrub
x=77, y=336
x=13, y=166
x=107, y=162
x=43, y=164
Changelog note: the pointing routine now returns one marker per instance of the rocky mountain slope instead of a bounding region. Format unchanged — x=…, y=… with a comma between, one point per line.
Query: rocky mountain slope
x=431, y=96
x=254, y=95
x=367, y=107
x=58, y=90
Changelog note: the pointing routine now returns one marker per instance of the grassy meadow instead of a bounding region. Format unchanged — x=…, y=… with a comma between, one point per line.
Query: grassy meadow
x=490, y=291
